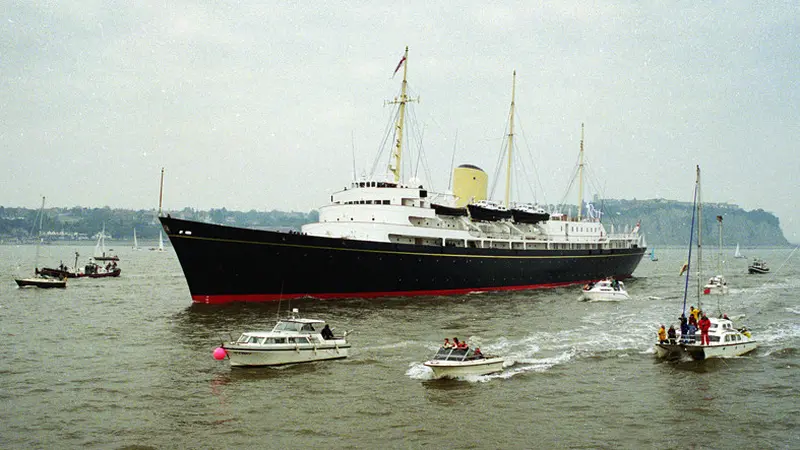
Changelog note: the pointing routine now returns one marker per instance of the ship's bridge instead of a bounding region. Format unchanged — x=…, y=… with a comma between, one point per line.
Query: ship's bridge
x=381, y=193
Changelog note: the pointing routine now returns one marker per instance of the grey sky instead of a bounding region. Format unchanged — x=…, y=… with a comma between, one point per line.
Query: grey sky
x=250, y=106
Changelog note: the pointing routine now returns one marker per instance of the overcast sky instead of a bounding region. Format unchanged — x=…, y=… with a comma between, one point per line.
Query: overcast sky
x=270, y=107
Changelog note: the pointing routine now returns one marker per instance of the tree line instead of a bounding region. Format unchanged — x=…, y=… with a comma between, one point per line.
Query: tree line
x=664, y=222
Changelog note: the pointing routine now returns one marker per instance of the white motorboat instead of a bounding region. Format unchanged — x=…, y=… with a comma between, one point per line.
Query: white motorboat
x=724, y=341
x=607, y=290
x=293, y=340
x=758, y=266
x=717, y=285
x=454, y=363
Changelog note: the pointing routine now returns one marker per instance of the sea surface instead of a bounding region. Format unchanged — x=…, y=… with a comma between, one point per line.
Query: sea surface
x=126, y=363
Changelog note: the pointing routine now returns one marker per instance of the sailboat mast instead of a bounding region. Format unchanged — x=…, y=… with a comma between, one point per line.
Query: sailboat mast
x=580, y=179
x=510, y=140
x=394, y=164
x=699, y=238
x=161, y=191
x=719, y=257
x=39, y=234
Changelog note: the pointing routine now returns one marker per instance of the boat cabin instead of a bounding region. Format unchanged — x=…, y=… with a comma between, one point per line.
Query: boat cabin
x=299, y=326
x=262, y=339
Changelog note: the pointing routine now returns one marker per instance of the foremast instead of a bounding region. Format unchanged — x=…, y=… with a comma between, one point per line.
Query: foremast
x=510, y=141
x=394, y=163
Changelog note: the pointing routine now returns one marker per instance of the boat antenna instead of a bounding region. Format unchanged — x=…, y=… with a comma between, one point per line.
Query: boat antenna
x=394, y=163
x=280, y=297
x=452, y=162
x=580, y=178
x=510, y=139
x=691, y=235
x=160, y=192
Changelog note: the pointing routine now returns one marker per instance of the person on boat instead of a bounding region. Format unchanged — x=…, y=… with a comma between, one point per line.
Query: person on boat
x=671, y=334
x=694, y=312
x=615, y=284
x=690, y=333
x=704, y=324
x=746, y=332
x=462, y=345
x=326, y=332
x=692, y=320
x=447, y=343
x=684, y=328
x=456, y=343
x=477, y=353
x=662, y=335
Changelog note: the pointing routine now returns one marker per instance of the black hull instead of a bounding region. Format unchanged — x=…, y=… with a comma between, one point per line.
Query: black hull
x=528, y=217
x=487, y=214
x=755, y=270
x=449, y=210
x=223, y=264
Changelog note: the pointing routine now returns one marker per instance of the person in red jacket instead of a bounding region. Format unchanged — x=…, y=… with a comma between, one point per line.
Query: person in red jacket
x=704, y=324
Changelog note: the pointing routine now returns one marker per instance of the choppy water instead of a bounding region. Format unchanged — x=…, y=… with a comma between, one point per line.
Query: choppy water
x=126, y=363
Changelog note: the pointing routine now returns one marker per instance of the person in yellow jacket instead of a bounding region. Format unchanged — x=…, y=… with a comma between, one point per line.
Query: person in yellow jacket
x=662, y=335
x=695, y=312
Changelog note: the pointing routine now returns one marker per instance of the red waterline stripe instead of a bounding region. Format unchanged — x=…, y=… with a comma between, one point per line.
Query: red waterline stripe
x=225, y=298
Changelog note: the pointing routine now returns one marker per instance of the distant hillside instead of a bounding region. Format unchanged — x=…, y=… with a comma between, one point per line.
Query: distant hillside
x=664, y=222
x=667, y=222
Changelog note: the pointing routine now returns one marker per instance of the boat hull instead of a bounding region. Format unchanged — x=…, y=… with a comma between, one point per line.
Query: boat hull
x=605, y=296
x=263, y=357
x=456, y=369
x=757, y=270
x=223, y=264
x=42, y=283
x=702, y=352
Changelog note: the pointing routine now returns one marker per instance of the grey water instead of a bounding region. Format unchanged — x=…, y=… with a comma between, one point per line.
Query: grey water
x=126, y=363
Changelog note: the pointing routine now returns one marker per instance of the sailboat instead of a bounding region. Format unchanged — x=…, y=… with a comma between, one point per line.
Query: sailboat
x=653, y=256
x=160, y=247
x=717, y=284
x=737, y=254
x=39, y=280
x=100, y=248
x=135, y=242
x=723, y=339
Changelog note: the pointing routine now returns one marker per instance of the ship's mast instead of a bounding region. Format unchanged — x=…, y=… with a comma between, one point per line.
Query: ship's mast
x=510, y=141
x=160, y=191
x=580, y=178
x=394, y=164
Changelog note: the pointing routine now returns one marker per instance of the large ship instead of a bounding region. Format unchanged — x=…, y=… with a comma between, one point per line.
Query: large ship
x=384, y=237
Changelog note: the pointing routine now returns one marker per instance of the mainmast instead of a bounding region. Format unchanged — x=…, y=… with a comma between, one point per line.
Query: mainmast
x=510, y=141
x=394, y=164
x=580, y=178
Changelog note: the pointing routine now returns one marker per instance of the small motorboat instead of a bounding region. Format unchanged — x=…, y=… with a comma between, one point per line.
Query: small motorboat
x=41, y=282
x=293, y=340
x=717, y=285
x=607, y=290
x=758, y=266
x=451, y=362
x=724, y=341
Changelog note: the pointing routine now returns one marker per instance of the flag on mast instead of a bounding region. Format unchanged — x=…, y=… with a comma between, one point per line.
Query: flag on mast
x=399, y=65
